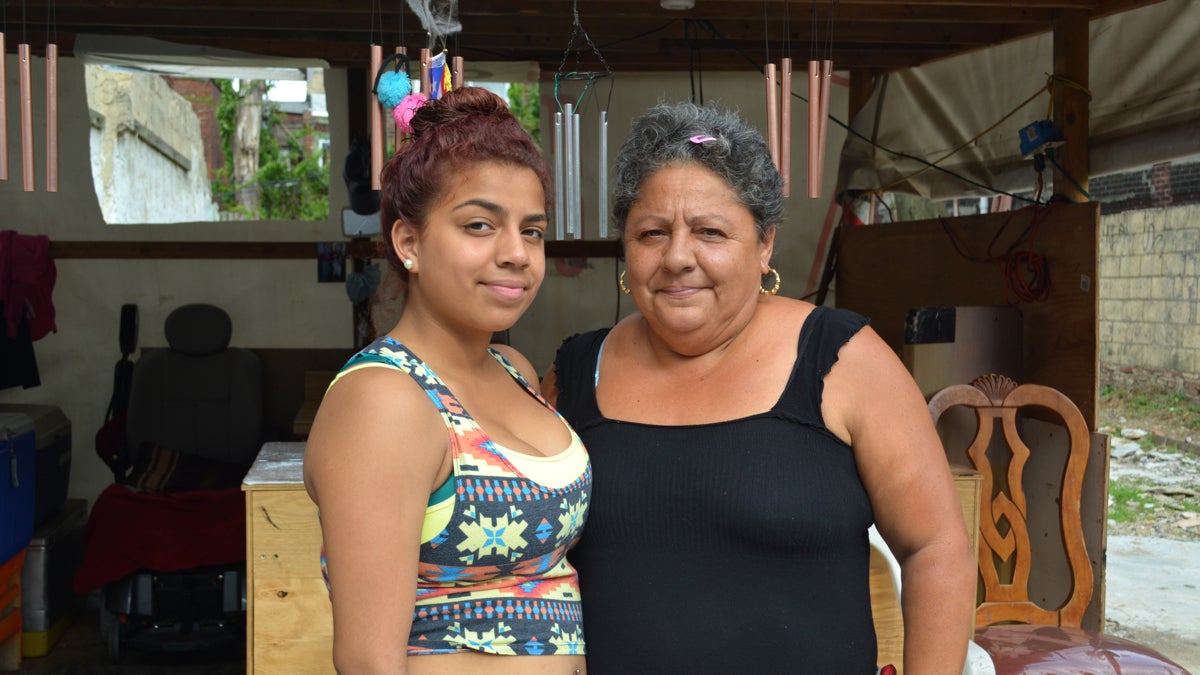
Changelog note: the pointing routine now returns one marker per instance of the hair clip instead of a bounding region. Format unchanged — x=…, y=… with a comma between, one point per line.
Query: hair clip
x=701, y=138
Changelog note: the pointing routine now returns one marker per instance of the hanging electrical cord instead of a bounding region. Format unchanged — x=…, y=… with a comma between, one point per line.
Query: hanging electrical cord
x=1022, y=267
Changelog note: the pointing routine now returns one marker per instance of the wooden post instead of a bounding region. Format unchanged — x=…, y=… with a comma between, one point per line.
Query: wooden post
x=1070, y=104
x=862, y=85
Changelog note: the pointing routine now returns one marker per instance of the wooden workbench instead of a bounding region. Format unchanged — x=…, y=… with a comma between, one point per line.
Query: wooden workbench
x=289, y=622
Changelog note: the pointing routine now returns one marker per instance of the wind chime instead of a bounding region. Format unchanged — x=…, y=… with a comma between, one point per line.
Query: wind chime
x=25, y=104
x=568, y=160
x=820, y=76
x=779, y=107
x=4, y=97
x=394, y=87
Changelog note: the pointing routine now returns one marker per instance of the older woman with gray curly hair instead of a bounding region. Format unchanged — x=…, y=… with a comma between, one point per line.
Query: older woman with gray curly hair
x=743, y=443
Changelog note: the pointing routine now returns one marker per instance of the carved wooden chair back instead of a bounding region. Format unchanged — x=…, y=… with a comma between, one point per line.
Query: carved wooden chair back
x=1005, y=553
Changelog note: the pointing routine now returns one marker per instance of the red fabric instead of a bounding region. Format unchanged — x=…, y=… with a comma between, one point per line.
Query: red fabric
x=129, y=531
x=1054, y=649
x=27, y=276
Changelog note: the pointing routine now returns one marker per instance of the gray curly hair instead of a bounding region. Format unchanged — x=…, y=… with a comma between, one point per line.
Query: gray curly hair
x=736, y=152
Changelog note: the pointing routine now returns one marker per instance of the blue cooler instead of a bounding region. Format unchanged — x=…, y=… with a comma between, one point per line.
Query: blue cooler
x=18, y=481
x=52, y=455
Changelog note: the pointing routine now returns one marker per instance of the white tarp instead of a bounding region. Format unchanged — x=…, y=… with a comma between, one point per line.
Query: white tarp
x=149, y=55
x=1145, y=83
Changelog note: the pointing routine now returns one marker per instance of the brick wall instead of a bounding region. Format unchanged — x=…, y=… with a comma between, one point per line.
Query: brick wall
x=1160, y=186
x=205, y=97
x=1149, y=289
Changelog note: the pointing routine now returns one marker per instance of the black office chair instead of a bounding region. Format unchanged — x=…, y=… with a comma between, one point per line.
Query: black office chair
x=168, y=543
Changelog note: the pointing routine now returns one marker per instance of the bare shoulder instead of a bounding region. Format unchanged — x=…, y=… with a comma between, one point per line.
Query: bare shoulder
x=373, y=421
x=782, y=317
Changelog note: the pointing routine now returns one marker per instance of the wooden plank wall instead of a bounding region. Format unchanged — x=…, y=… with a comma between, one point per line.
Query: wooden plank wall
x=885, y=270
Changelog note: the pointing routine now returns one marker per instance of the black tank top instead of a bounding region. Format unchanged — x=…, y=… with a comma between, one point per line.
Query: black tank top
x=732, y=547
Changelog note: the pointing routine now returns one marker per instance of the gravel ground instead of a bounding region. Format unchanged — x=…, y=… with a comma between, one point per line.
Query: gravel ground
x=1166, y=483
x=1153, y=528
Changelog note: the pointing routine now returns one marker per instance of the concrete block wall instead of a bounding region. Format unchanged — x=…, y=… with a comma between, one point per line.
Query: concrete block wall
x=1149, y=292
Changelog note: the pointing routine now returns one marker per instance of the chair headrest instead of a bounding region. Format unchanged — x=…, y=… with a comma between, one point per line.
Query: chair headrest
x=198, y=329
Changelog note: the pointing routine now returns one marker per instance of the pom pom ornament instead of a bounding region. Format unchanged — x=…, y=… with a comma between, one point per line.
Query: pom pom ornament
x=393, y=87
x=404, y=111
x=392, y=82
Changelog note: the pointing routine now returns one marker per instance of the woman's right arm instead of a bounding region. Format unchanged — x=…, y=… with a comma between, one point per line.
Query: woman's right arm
x=375, y=452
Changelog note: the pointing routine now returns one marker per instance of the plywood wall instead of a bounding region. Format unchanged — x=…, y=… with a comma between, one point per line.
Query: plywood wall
x=885, y=270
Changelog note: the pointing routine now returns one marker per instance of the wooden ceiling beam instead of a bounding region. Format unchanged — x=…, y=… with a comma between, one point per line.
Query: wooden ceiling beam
x=634, y=35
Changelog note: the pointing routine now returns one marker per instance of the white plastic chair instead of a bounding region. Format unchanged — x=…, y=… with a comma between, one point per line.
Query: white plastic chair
x=978, y=661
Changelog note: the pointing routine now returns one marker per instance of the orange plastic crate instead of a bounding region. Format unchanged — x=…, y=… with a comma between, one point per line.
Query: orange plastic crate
x=10, y=612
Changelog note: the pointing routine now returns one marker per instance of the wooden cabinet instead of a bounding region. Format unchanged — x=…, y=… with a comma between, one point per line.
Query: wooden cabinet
x=289, y=622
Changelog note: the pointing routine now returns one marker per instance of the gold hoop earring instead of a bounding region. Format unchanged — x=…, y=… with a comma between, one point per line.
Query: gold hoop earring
x=621, y=283
x=774, y=289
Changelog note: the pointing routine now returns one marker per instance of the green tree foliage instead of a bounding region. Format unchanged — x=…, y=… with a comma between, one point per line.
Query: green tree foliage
x=292, y=176
x=526, y=106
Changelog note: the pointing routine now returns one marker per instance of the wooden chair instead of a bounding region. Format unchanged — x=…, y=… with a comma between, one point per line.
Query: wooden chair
x=1020, y=635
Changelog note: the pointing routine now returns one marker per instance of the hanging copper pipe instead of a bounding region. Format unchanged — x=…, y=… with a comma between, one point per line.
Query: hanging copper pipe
x=772, y=116
x=785, y=147
x=3, y=111
x=456, y=76
x=23, y=59
x=425, y=65
x=51, y=117
x=376, y=120
x=814, y=128
x=400, y=134
x=826, y=81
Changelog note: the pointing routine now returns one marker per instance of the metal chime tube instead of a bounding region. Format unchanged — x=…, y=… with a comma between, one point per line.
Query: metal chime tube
x=826, y=81
x=456, y=75
x=772, y=116
x=425, y=65
x=559, y=205
x=576, y=189
x=602, y=176
x=399, y=132
x=569, y=168
x=51, y=117
x=814, y=128
x=3, y=111
x=785, y=146
x=23, y=58
x=376, y=120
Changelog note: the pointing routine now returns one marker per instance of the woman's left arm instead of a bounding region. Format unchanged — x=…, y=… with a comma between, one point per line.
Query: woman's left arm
x=872, y=402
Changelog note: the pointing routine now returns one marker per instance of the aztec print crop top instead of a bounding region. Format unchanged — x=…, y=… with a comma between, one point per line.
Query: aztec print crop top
x=493, y=574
